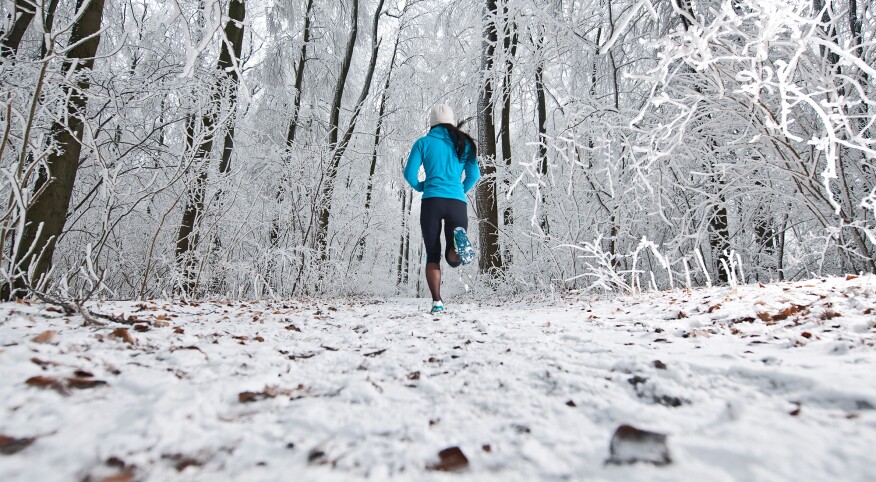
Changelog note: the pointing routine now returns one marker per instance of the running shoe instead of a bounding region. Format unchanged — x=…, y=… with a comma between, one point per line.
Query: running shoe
x=463, y=246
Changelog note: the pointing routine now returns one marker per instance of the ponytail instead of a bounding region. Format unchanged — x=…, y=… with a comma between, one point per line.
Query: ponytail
x=466, y=149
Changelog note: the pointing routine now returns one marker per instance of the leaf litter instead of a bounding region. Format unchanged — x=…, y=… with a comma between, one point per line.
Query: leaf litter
x=771, y=374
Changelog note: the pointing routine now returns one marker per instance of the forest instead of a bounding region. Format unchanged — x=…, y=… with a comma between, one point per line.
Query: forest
x=253, y=148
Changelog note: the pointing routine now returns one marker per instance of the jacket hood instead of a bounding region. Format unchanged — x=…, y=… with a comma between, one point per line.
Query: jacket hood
x=439, y=132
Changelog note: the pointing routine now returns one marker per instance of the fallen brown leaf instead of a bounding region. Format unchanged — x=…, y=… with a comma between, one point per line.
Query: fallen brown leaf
x=124, y=335
x=13, y=445
x=375, y=353
x=123, y=476
x=182, y=462
x=787, y=312
x=829, y=315
x=267, y=392
x=450, y=460
x=84, y=383
x=44, y=337
x=48, y=382
x=44, y=363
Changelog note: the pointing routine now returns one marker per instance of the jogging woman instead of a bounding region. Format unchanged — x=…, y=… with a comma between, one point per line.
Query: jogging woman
x=445, y=153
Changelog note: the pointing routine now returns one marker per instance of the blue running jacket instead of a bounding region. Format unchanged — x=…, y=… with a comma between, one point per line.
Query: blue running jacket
x=437, y=154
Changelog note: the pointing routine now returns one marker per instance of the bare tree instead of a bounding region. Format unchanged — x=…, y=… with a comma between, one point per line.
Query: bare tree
x=47, y=214
x=488, y=210
x=193, y=212
x=338, y=147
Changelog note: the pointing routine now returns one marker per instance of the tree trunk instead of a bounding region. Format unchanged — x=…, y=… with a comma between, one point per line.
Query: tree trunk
x=274, y=232
x=187, y=238
x=719, y=235
x=377, y=133
x=25, y=10
x=228, y=63
x=334, y=125
x=488, y=211
x=510, y=47
x=47, y=214
x=338, y=147
x=299, y=79
x=541, y=109
x=401, y=245
x=408, y=223
x=48, y=22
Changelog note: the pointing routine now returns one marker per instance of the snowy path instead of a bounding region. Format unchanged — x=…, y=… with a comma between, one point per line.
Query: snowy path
x=772, y=383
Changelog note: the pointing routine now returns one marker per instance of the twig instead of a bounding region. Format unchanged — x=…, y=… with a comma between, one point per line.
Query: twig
x=72, y=307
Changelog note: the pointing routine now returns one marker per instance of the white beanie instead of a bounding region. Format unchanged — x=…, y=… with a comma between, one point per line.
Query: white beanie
x=441, y=114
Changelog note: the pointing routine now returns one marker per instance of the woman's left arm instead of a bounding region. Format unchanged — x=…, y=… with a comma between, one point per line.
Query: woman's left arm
x=412, y=168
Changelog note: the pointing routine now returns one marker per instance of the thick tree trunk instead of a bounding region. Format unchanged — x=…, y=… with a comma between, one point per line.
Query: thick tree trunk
x=47, y=214
x=488, y=211
x=187, y=237
x=25, y=10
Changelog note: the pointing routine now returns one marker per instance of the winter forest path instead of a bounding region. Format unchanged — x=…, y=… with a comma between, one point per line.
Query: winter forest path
x=756, y=383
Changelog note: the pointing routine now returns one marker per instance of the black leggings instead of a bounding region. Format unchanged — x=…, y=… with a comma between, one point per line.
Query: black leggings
x=433, y=210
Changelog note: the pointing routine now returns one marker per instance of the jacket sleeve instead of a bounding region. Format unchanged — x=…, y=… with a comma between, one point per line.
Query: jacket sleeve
x=472, y=171
x=412, y=168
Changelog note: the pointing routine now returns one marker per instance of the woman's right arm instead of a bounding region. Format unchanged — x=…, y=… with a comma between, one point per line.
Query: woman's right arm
x=412, y=168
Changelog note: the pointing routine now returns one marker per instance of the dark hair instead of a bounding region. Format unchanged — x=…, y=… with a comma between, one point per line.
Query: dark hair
x=462, y=141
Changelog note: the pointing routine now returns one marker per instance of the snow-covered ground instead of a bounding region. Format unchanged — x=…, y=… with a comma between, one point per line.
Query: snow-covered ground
x=756, y=383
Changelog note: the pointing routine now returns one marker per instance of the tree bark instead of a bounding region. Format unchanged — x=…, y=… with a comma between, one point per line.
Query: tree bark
x=228, y=63
x=377, y=131
x=274, y=232
x=488, y=211
x=187, y=237
x=334, y=125
x=299, y=78
x=401, y=245
x=541, y=113
x=47, y=214
x=510, y=47
x=25, y=10
x=377, y=137
x=338, y=147
x=48, y=22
